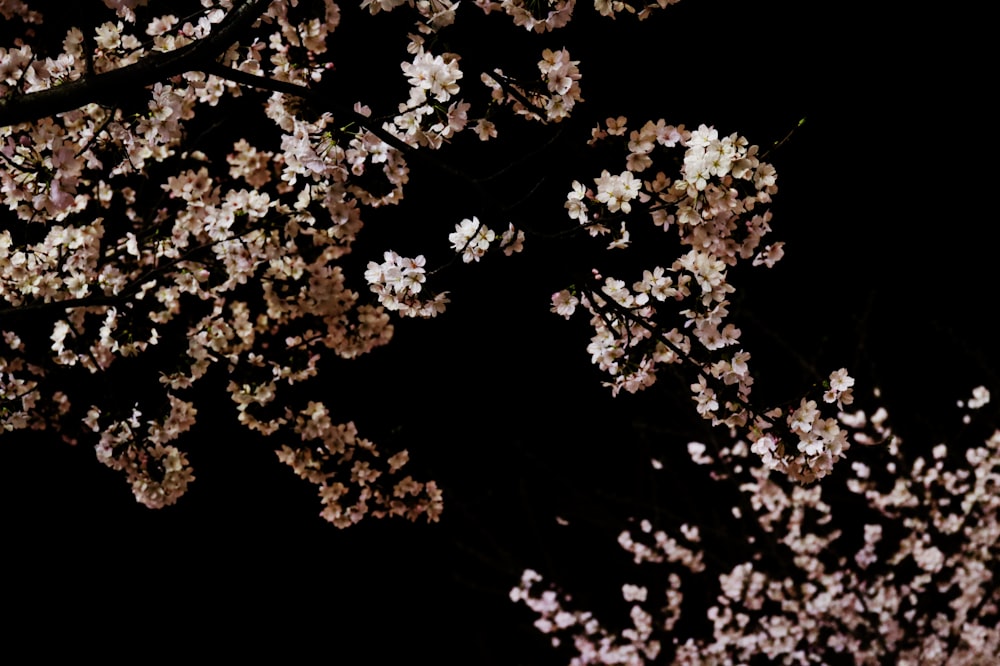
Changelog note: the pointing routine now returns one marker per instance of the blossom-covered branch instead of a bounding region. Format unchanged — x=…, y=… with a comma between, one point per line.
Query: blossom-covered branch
x=909, y=580
x=82, y=88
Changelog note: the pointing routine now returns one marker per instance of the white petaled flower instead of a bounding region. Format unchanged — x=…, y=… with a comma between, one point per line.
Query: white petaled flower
x=564, y=303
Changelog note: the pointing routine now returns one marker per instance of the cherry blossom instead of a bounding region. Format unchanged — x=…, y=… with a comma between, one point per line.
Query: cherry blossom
x=472, y=239
x=130, y=240
x=912, y=583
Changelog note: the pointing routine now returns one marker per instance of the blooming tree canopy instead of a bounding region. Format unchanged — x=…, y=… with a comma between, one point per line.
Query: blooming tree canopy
x=238, y=258
x=187, y=195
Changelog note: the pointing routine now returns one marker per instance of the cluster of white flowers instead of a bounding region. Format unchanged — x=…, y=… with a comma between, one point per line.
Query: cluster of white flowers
x=554, y=14
x=259, y=265
x=345, y=469
x=820, y=441
x=909, y=579
x=539, y=17
x=471, y=239
x=424, y=120
x=559, y=75
x=434, y=14
x=433, y=75
x=616, y=192
x=398, y=282
x=158, y=473
x=712, y=206
x=704, y=203
x=709, y=157
x=594, y=643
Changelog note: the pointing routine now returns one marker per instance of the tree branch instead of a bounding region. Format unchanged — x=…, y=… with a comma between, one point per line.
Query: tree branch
x=150, y=69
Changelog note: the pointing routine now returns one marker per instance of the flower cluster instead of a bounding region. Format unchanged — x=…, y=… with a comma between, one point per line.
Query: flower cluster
x=538, y=16
x=213, y=257
x=909, y=579
x=433, y=14
x=471, y=239
x=158, y=473
x=351, y=483
x=593, y=642
x=554, y=14
x=398, y=282
x=181, y=255
x=713, y=206
x=424, y=120
x=615, y=192
x=821, y=441
x=559, y=77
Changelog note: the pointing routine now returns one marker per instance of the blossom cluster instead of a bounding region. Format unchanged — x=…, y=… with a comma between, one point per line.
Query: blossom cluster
x=351, y=483
x=554, y=14
x=432, y=14
x=590, y=639
x=234, y=259
x=229, y=259
x=423, y=120
x=714, y=207
x=398, y=282
x=158, y=472
x=539, y=17
x=559, y=77
x=218, y=258
x=909, y=580
x=472, y=239
x=821, y=441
